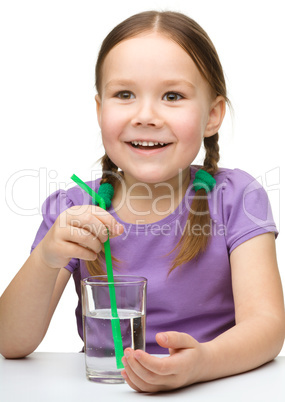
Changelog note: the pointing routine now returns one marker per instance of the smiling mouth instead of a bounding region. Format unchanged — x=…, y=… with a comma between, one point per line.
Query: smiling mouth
x=148, y=145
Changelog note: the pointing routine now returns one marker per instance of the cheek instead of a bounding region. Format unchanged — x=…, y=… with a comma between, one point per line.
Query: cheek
x=110, y=123
x=189, y=128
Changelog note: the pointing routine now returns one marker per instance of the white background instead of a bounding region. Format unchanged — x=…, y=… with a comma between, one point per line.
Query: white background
x=48, y=123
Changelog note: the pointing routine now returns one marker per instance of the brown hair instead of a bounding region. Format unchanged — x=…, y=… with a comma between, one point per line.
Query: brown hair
x=197, y=44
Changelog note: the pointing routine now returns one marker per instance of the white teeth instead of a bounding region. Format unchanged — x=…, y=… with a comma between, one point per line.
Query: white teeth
x=147, y=143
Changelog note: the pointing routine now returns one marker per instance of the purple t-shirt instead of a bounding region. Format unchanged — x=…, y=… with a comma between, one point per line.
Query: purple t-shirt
x=197, y=297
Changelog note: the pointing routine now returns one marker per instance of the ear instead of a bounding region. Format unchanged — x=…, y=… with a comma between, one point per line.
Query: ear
x=98, y=108
x=216, y=116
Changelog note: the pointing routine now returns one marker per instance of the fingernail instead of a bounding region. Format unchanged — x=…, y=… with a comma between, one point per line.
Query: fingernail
x=118, y=228
x=124, y=361
x=137, y=355
x=127, y=354
x=163, y=336
x=104, y=238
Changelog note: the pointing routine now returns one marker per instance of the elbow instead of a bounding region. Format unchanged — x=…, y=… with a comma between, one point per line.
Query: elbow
x=282, y=335
x=14, y=354
x=17, y=347
x=9, y=351
x=279, y=336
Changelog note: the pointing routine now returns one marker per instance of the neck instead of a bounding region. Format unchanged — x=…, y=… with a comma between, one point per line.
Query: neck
x=149, y=202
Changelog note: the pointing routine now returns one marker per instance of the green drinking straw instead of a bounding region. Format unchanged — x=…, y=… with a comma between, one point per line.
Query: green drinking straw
x=115, y=322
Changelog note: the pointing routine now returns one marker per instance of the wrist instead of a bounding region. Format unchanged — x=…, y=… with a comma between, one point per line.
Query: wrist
x=207, y=363
x=41, y=262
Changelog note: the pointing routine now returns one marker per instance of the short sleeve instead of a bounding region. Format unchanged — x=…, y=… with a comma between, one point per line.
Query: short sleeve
x=53, y=206
x=246, y=209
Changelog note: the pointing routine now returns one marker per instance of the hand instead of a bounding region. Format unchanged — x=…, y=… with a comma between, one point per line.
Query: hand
x=184, y=366
x=78, y=232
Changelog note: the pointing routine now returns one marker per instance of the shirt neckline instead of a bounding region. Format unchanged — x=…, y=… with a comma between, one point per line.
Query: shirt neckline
x=177, y=214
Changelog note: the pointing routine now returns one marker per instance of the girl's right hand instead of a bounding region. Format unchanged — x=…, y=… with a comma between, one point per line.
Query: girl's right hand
x=78, y=232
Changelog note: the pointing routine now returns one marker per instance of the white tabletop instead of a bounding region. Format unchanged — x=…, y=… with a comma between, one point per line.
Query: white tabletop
x=52, y=377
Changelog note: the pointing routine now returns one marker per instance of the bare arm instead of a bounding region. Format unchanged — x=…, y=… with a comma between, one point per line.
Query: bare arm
x=256, y=338
x=259, y=305
x=27, y=306
x=28, y=303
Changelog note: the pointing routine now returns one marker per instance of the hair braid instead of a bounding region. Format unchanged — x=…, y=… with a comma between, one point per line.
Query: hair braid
x=197, y=44
x=191, y=245
x=212, y=156
x=109, y=171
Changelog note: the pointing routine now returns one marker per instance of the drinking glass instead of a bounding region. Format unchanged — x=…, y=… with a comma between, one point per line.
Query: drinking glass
x=100, y=358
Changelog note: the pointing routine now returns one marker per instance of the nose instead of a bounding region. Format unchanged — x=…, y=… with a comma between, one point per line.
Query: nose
x=147, y=116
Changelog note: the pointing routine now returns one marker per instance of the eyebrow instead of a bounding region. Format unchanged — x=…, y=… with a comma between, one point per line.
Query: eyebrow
x=119, y=82
x=122, y=82
x=179, y=82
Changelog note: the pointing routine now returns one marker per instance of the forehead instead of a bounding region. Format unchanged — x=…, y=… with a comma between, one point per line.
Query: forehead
x=152, y=56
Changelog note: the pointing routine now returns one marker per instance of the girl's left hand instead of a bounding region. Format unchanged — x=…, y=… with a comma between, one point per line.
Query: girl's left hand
x=184, y=366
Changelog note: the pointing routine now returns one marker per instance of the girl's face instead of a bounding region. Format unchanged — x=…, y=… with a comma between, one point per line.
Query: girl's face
x=154, y=109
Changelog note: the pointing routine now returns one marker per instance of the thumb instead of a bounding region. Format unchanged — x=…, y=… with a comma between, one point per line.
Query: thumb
x=175, y=340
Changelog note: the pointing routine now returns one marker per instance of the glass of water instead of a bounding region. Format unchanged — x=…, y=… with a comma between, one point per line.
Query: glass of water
x=99, y=347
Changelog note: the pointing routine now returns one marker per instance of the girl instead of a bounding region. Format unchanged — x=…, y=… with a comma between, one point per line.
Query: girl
x=203, y=236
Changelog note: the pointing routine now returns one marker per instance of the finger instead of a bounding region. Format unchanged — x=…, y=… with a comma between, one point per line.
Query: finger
x=139, y=380
x=83, y=238
x=129, y=382
x=143, y=368
x=92, y=225
x=156, y=365
x=92, y=214
x=175, y=340
x=73, y=250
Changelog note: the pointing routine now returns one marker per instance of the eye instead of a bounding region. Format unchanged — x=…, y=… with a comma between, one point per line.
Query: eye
x=125, y=95
x=172, y=97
